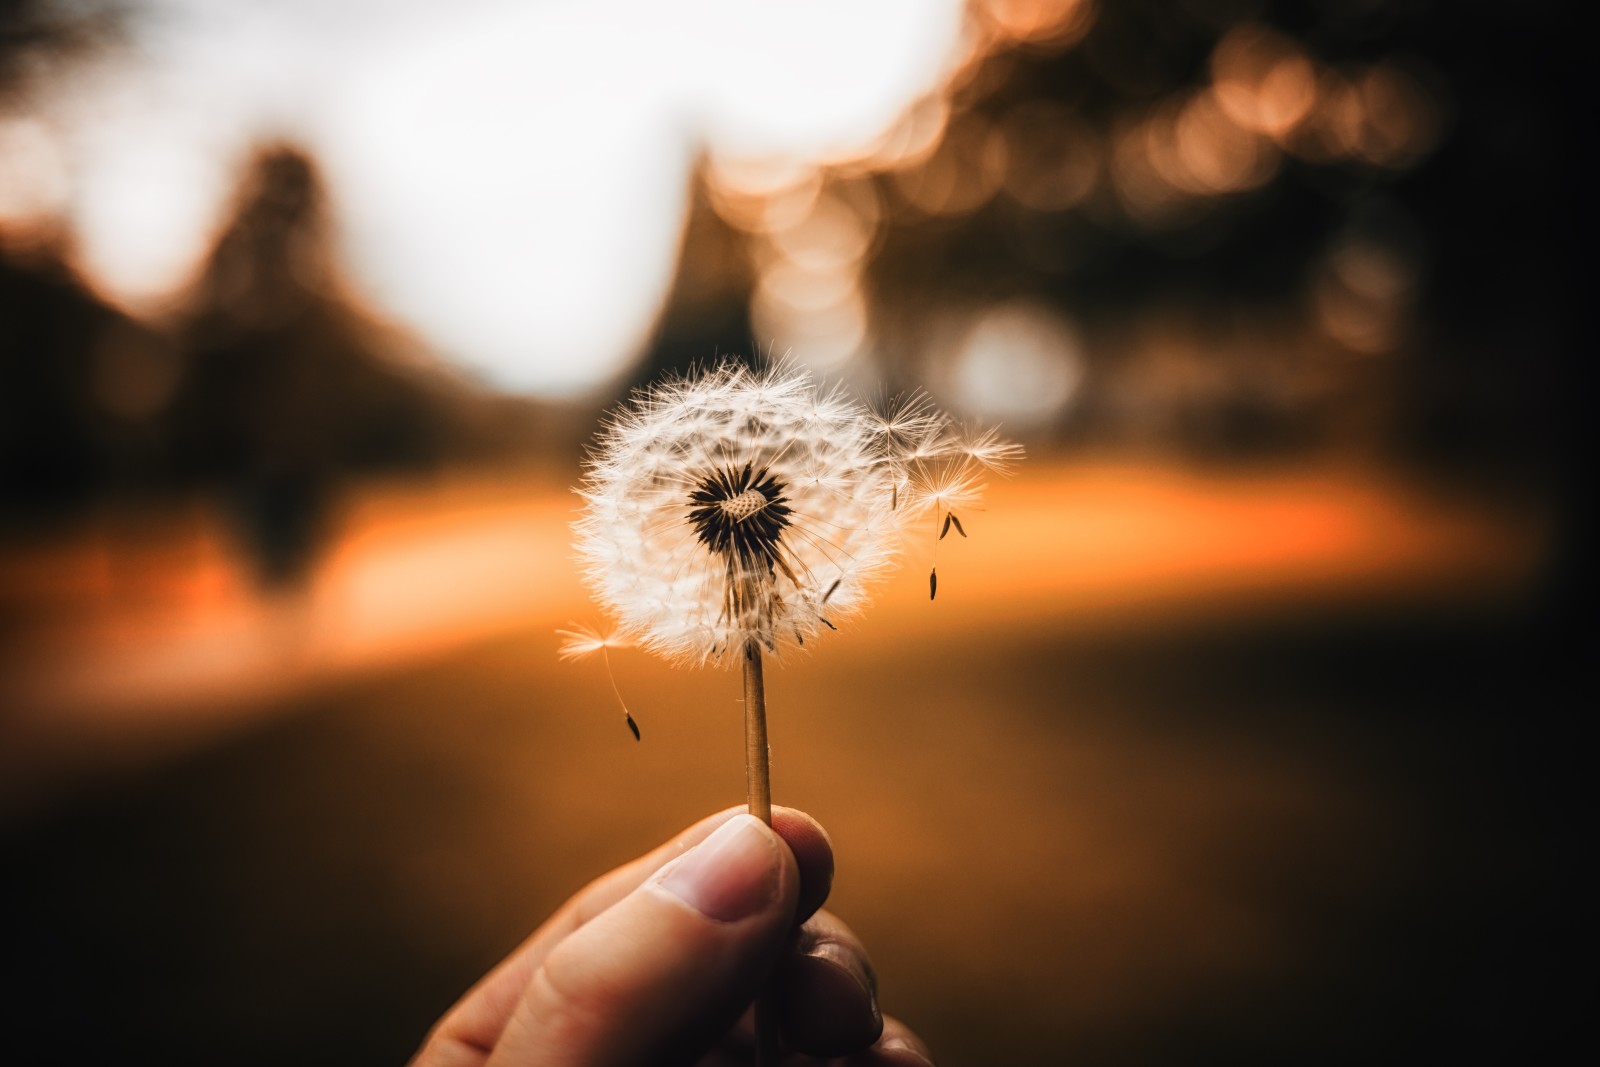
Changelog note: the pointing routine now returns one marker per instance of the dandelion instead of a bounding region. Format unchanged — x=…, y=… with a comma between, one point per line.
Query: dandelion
x=736, y=510
x=734, y=513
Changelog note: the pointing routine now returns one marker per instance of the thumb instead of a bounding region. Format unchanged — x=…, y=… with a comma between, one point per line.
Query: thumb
x=662, y=974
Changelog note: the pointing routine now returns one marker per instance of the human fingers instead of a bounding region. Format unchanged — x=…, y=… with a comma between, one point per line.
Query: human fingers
x=470, y=1030
x=813, y=851
x=826, y=991
x=662, y=973
x=898, y=1047
x=807, y=840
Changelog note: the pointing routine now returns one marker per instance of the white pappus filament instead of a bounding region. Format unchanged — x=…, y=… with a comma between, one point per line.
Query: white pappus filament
x=735, y=508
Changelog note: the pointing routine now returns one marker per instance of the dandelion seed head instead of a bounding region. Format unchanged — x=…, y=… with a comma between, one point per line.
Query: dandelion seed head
x=735, y=507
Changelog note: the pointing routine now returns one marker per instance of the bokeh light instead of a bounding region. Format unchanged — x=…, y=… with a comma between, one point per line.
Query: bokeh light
x=1018, y=364
x=1263, y=81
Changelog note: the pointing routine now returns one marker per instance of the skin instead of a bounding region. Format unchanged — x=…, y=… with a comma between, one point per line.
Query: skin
x=658, y=962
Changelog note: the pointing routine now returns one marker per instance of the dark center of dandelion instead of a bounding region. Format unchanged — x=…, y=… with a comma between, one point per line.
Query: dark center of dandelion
x=740, y=513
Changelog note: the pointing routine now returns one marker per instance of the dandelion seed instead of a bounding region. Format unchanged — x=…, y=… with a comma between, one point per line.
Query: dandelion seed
x=988, y=449
x=907, y=424
x=943, y=472
x=582, y=641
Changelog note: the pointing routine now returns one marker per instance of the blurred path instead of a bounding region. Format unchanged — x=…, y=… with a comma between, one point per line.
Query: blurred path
x=139, y=637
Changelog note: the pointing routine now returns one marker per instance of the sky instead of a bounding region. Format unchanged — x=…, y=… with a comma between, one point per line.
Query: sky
x=510, y=179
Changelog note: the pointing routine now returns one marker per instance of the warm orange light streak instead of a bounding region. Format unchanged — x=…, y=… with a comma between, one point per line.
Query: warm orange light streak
x=418, y=573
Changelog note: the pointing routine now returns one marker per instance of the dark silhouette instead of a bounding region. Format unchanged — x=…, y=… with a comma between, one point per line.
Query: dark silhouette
x=288, y=389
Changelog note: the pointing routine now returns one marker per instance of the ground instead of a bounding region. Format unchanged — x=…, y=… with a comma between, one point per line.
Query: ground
x=1258, y=767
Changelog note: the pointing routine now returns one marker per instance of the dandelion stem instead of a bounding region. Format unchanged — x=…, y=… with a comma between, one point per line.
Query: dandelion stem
x=757, y=769
x=758, y=790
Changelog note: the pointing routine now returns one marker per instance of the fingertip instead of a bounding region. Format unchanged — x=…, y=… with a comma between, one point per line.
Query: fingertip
x=826, y=1000
x=671, y=964
x=735, y=873
x=813, y=853
x=899, y=1047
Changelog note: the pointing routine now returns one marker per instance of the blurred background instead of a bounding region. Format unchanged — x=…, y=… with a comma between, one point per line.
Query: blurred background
x=1243, y=729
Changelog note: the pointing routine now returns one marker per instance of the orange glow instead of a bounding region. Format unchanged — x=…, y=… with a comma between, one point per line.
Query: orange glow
x=914, y=137
x=1262, y=80
x=962, y=175
x=1182, y=151
x=1363, y=295
x=1045, y=23
x=175, y=635
x=1401, y=119
x=1218, y=155
x=787, y=285
x=814, y=246
x=1141, y=160
x=1380, y=115
x=833, y=234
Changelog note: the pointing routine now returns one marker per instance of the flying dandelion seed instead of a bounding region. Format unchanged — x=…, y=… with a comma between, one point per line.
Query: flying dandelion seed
x=735, y=513
x=940, y=469
x=583, y=641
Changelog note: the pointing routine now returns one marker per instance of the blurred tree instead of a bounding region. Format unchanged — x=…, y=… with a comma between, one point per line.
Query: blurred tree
x=1382, y=187
x=707, y=313
x=289, y=388
x=60, y=442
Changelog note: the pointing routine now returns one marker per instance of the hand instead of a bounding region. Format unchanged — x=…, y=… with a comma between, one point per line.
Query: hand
x=659, y=961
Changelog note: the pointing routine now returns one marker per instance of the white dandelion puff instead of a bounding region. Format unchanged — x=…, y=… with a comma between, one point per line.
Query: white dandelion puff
x=736, y=509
